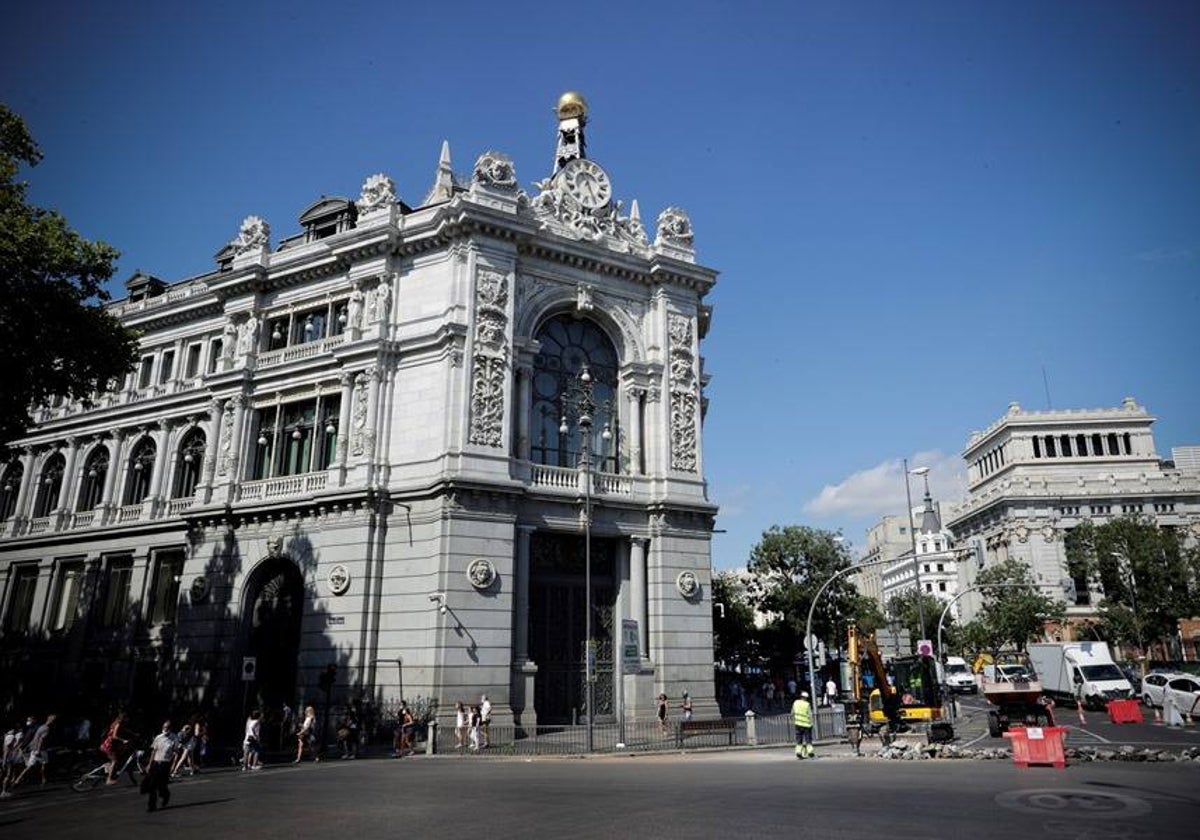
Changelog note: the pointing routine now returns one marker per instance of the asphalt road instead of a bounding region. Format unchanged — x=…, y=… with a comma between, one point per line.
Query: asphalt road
x=756, y=793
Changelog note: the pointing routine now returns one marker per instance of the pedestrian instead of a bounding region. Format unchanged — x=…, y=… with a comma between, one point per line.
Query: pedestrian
x=200, y=750
x=306, y=735
x=252, y=742
x=831, y=692
x=348, y=734
x=35, y=751
x=485, y=717
x=187, y=744
x=285, y=722
x=462, y=720
x=662, y=713
x=114, y=745
x=769, y=691
x=686, y=705
x=12, y=759
x=476, y=725
x=791, y=687
x=803, y=720
x=158, y=769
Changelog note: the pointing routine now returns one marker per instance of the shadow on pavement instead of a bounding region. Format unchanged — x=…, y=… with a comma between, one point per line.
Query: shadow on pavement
x=199, y=804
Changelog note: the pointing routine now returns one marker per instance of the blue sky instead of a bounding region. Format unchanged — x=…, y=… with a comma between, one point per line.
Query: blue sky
x=915, y=207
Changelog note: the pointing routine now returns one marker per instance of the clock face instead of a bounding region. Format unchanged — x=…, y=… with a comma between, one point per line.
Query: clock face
x=587, y=183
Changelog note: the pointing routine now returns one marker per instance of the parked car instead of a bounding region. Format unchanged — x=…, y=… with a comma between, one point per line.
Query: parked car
x=1153, y=685
x=1184, y=692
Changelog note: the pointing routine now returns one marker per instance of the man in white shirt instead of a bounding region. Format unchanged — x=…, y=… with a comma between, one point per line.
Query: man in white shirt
x=830, y=692
x=158, y=769
x=35, y=750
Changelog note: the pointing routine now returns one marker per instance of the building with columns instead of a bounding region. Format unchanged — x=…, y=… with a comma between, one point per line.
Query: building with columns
x=1034, y=475
x=361, y=445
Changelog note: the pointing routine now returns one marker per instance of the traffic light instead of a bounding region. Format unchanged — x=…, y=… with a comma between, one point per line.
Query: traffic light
x=328, y=677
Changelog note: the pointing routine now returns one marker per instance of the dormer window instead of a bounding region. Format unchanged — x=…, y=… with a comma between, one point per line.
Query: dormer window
x=328, y=216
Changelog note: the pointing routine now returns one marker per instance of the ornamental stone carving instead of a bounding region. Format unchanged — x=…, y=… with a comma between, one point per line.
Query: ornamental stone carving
x=489, y=358
x=247, y=334
x=568, y=212
x=226, y=459
x=358, y=421
x=339, y=580
x=381, y=297
x=495, y=170
x=378, y=193
x=254, y=235
x=674, y=228
x=684, y=399
x=688, y=585
x=481, y=573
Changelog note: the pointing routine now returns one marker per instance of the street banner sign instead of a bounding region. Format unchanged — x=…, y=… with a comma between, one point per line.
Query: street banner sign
x=925, y=647
x=630, y=647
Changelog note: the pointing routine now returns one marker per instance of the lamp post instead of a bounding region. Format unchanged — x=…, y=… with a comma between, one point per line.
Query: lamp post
x=912, y=532
x=812, y=671
x=582, y=402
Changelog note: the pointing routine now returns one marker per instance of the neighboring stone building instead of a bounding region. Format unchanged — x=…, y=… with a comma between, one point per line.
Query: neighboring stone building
x=347, y=449
x=1034, y=475
x=935, y=555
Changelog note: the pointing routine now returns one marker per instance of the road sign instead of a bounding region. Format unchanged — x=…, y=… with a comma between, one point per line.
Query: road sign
x=925, y=647
x=249, y=668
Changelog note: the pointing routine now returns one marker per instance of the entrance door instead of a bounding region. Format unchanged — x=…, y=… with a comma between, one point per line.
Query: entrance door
x=275, y=606
x=557, y=625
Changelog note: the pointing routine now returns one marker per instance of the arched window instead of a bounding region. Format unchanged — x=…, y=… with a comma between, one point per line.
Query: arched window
x=49, y=486
x=95, y=471
x=567, y=344
x=191, y=459
x=141, y=468
x=9, y=488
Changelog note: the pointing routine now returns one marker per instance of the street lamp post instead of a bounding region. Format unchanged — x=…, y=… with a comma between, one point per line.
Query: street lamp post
x=583, y=402
x=912, y=532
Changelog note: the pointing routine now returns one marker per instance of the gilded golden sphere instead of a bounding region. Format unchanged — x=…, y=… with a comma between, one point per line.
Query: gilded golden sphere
x=571, y=104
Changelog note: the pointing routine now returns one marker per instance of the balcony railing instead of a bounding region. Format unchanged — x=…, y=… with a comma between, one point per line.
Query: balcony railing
x=565, y=478
x=175, y=507
x=83, y=519
x=40, y=524
x=129, y=513
x=298, y=351
x=274, y=488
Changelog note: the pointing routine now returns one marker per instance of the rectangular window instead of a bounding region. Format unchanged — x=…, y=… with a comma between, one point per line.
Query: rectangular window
x=1050, y=446
x=168, y=571
x=941, y=586
x=215, y=348
x=66, y=599
x=168, y=367
x=1037, y=448
x=145, y=372
x=192, y=368
x=116, y=592
x=1112, y=444
x=1066, y=446
x=20, y=604
x=1097, y=444
x=941, y=567
x=1081, y=445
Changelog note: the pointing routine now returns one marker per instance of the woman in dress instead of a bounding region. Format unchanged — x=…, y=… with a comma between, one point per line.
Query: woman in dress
x=461, y=722
x=114, y=744
x=306, y=735
x=662, y=713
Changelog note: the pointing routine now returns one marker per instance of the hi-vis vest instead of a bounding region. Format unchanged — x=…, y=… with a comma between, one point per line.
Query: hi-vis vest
x=802, y=713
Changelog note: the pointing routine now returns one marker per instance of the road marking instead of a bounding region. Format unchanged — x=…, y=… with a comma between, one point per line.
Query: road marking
x=1099, y=738
x=1075, y=803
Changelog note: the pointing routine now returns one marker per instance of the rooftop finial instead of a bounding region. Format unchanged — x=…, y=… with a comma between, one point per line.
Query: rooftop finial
x=443, y=182
x=572, y=117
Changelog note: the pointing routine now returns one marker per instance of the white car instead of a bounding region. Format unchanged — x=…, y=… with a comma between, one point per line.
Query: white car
x=1153, y=685
x=1183, y=690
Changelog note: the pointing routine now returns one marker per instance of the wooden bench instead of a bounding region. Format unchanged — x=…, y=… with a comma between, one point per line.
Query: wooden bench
x=700, y=727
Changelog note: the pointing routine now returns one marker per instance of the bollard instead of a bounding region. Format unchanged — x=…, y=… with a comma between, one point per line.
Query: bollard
x=751, y=728
x=431, y=738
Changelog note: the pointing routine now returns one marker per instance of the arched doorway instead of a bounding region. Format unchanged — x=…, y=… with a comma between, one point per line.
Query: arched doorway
x=272, y=611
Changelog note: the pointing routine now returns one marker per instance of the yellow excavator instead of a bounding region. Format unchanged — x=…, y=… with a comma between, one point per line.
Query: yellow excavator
x=915, y=698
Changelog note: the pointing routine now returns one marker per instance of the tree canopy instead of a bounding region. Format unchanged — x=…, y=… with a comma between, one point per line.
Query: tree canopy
x=1149, y=577
x=55, y=337
x=1014, y=609
x=904, y=607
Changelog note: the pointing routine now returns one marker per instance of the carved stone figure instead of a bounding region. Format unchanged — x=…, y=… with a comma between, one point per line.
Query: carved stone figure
x=378, y=193
x=495, y=170
x=226, y=439
x=481, y=573
x=359, y=421
x=248, y=335
x=354, y=308
x=674, y=228
x=380, y=299
x=228, y=340
x=688, y=585
x=254, y=235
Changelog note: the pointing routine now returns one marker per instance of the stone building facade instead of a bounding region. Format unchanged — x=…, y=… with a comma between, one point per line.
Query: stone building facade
x=361, y=447
x=1034, y=475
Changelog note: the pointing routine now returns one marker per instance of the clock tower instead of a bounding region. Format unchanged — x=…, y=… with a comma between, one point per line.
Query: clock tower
x=572, y=117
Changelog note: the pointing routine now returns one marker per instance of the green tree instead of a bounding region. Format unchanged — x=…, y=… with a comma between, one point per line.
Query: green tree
x=866, y=614
x=904, y=608
x=1014, y=609
x=977, y=637
x=735, y=638
x=1150, y=578
x=787, y=567
x=55, y=337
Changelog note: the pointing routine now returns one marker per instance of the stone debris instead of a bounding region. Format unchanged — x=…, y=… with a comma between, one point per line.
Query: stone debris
x=901, y=751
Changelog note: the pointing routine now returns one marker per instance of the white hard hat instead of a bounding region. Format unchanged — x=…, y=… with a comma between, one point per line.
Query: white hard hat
x=804, y=694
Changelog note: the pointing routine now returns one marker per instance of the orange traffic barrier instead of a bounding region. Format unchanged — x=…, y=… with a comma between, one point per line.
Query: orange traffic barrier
x=1124, y=711
x=1037, y=745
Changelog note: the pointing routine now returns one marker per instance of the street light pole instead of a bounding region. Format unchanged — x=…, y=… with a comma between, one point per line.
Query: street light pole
x=585, y=406
x=912, y=533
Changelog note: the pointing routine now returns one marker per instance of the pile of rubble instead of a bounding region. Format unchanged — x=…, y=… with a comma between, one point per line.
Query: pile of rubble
x=901, y=751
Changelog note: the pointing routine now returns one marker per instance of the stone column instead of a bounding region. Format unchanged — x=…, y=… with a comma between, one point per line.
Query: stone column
x=521, y=595
x=637, y=586
x=162, y=439
x=343, y=429
x=213, y=432
x=524, y=407
x=67, y=493
x=110, y=477
x=20, y=512
x=371, y=433
x=635, y=430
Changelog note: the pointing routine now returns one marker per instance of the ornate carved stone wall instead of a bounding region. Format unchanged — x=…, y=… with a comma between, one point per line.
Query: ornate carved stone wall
x=489, y=359
x=683, y=395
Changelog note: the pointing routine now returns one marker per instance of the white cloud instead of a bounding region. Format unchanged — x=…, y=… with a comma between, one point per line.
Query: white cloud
x=879, y=490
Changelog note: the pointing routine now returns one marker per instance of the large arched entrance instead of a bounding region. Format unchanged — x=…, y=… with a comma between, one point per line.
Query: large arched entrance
x=272, y=612
x=557, y=620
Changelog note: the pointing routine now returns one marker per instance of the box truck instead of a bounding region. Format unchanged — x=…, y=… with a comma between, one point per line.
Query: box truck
x=1082, y=672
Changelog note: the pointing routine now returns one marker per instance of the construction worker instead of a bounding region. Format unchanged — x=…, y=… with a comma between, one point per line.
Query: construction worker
x=802, y=717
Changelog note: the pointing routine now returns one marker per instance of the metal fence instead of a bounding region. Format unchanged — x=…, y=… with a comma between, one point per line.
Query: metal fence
x=633, y=737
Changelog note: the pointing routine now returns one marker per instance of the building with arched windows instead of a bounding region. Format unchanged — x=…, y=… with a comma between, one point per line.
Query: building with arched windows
x=365, y=446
